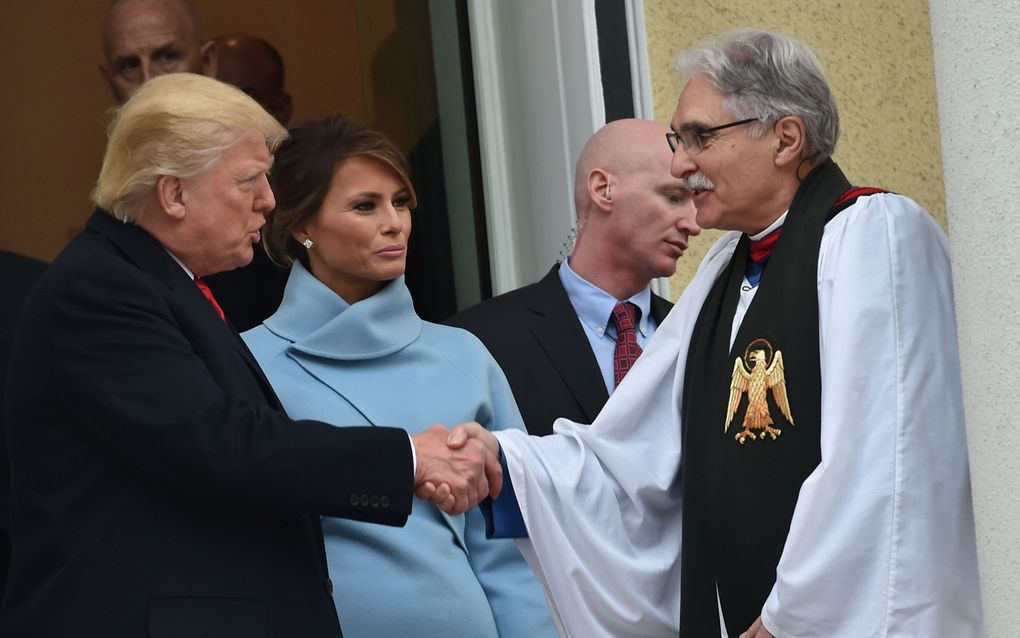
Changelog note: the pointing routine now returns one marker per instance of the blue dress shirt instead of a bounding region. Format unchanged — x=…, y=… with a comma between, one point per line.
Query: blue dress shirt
x=594, y=308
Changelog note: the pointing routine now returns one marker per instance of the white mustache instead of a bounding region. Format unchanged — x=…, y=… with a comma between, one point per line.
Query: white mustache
x=698, y=182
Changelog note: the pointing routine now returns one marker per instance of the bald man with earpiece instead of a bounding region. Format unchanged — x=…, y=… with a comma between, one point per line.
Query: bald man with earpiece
x=566, y=341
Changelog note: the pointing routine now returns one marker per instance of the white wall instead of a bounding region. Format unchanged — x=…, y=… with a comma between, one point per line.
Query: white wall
x=539, y=97
x=977, y=47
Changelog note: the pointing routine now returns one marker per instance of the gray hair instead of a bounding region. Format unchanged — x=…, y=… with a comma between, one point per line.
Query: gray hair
x=768, y=76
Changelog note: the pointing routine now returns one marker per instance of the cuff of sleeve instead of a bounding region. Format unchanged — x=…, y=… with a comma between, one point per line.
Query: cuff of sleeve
x=414, y=456
x=768, y=623
x=503, y=517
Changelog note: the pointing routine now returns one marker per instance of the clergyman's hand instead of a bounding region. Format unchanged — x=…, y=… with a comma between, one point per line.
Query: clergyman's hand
x=455, y=479
x=757, y=630
x=464, y=432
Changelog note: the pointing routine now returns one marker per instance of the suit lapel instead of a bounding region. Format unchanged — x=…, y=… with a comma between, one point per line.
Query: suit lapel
x=558, y=331
x=253, y=365
x=659, y=309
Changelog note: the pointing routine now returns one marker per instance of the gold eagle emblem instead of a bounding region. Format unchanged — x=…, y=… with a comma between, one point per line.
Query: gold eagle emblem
x=756, y=382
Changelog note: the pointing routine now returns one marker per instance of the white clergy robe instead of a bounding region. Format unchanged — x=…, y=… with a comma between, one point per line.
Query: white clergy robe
x=881, y=542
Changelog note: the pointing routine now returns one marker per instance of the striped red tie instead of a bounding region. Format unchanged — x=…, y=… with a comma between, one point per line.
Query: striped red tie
x=625, y=317
x=204, y=287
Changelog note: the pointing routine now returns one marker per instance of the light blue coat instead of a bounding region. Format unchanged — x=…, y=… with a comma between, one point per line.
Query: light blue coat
x=377, y=362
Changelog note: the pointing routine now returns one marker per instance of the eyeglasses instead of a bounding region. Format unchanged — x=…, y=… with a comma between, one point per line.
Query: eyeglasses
x=693, y=140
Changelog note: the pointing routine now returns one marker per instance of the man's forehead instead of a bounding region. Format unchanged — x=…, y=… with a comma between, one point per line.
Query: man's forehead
x=652, y=159
x=147, y=23
x=250, y=149
x=246, y=72
x=699, y=104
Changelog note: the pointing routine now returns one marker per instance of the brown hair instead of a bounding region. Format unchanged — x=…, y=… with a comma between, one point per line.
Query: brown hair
x=303, y=172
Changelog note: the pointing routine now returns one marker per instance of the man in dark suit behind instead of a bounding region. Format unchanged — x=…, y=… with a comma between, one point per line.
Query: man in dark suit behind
x=17, y=276
x=157, y=488
x=556, y=339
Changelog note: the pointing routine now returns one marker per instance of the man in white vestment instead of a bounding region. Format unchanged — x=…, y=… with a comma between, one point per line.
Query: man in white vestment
x=797, y=419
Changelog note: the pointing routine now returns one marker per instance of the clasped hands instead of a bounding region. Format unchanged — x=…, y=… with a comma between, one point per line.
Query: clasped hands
x=457, y=468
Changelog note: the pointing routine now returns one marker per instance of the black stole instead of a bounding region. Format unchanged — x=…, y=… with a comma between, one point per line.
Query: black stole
x=738, y=499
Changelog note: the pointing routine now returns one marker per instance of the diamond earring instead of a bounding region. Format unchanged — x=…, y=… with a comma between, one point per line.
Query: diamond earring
x=308, y=243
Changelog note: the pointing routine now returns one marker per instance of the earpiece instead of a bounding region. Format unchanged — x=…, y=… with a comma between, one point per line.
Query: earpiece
x=609, y=192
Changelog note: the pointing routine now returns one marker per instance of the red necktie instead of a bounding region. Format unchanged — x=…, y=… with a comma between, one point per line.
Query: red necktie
x=625, y=317
x=204, y=287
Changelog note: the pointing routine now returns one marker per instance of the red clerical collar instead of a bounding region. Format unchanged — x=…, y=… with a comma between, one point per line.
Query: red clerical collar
x=761, y=249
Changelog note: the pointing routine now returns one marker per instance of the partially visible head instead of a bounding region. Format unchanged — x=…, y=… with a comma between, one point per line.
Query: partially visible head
x=146, y=38
x=190, y=153
x=635, y=218
x=346, y=188
x=255, y=66
x=778, y=83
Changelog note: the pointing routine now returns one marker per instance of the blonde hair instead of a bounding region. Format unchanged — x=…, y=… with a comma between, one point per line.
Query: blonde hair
x=175, y=125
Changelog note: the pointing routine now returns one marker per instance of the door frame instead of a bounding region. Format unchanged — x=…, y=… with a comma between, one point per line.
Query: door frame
x=538, y=87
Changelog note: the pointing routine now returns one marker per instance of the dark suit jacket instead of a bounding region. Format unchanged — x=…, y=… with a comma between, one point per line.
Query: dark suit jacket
x=157, y=488
x=17, y=276
x=537, y=339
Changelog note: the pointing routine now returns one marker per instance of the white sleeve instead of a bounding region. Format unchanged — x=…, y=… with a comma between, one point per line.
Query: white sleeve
x=882, y=538
x=603, y=512
x=602, y=503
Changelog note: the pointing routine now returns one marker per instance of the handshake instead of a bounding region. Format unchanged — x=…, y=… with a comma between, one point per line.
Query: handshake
x=457, y=468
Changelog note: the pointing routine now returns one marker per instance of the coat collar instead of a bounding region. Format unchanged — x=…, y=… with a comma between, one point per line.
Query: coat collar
x=318, y=322
x=558, y=330
x=141, y=248
x=147, y=253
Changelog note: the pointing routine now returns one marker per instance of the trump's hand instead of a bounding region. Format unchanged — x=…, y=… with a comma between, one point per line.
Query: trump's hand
x=454, y=478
